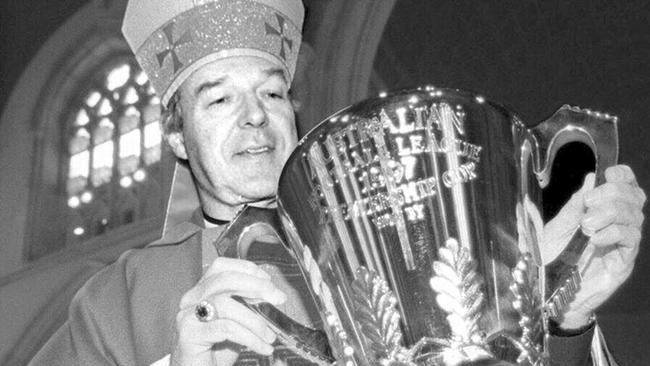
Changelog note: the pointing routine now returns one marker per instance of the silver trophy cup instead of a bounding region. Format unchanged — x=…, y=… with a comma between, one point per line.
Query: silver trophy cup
x=414, y=217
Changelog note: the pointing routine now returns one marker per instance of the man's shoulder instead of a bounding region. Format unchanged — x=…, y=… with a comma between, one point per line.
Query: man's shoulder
x=177, y=234
x=181, y=245
x=163, y=262
x=155, y=266
x=133, y=301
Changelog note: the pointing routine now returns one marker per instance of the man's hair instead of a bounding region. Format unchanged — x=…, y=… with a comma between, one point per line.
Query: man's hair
x=171, y=118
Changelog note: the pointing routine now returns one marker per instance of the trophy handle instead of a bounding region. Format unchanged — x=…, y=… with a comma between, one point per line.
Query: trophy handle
x=250, y=223
x=599, y=132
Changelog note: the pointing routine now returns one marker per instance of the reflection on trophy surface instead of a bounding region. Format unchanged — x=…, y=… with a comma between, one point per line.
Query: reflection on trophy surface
x=415, y=217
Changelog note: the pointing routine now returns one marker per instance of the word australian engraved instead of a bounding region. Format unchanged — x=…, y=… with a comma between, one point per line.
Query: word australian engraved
x=368, y=167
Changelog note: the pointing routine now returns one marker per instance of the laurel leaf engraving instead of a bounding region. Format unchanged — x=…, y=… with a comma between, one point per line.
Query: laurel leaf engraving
x=525, y=284
x=374, y=308
x=459, y=291
x=528, y=304
x=446, y=255
x=447, y=272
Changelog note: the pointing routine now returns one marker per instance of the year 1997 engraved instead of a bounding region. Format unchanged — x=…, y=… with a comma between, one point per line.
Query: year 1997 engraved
x=374, y=153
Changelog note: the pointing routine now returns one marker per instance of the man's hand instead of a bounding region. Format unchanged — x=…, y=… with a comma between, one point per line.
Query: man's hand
x=611, y=214
x=219, y=341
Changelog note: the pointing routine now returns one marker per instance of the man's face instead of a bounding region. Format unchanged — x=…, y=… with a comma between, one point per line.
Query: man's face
x=238, y=131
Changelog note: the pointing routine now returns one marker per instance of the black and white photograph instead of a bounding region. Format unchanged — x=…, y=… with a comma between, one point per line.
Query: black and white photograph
x=324, y=182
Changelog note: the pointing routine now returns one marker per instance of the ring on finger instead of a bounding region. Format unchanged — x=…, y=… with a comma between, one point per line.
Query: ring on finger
x=205, y=311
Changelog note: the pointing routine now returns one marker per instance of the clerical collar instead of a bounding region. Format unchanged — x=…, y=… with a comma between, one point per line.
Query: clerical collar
x=214, y=222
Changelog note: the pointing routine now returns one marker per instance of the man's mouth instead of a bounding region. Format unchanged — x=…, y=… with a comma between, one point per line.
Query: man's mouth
x=256, y=150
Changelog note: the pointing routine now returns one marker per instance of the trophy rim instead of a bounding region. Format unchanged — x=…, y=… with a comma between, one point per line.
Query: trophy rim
x=316, y=132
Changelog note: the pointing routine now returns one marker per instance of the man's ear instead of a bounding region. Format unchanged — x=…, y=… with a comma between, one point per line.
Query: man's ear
x=177, y=143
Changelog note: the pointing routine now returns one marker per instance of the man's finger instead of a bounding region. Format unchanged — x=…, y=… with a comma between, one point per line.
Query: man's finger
x=236, y=333
x=225, y=264
x=620, y=174
x=576, y=202
x=617, y=212
x=569, y=217
x=610, y=192
x=228, y=308
x=625, y=238
x=234, y=283
x=222, y=330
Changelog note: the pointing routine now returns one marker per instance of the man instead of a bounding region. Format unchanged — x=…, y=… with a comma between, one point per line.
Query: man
x=223, y=69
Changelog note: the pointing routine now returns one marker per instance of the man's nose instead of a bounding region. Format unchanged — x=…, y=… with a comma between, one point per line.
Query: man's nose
x=255, y=114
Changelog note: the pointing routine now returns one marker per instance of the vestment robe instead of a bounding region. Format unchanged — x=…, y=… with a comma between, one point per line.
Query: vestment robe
x=125, y=314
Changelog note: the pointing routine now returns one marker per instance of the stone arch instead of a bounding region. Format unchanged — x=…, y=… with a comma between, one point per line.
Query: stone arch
x=345, y=45
x=32, y=139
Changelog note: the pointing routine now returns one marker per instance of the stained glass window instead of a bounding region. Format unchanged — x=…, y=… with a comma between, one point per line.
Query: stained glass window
x=114, y=152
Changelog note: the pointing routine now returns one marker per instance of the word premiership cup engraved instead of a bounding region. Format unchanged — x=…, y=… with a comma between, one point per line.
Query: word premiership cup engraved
x=414, y=217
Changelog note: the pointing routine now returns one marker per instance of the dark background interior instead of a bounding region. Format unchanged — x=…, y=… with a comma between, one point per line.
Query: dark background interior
x=531, y=56
x=534, y=56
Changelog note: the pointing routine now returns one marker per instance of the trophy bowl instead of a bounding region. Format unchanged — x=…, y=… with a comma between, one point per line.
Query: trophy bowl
x=415, y=219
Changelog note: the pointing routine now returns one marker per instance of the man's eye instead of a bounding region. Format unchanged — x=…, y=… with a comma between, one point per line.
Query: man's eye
x=221, y=100
x=275, y=95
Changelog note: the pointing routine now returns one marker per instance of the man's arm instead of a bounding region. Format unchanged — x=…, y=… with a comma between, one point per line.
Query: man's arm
x=570, y=348
x=97, y=331
x=611, y=214
x=219, y=339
